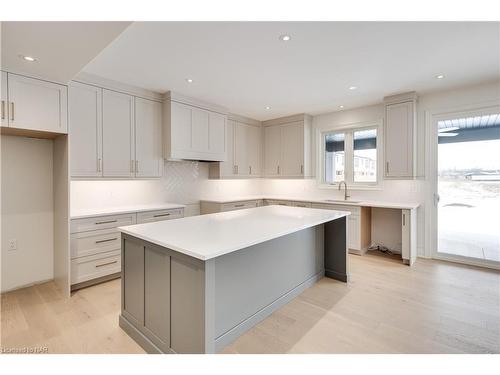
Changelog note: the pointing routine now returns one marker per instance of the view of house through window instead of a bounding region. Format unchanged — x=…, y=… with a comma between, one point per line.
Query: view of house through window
x=365, y=155
x=351, y=156
x=334, y=157
x=469, y=187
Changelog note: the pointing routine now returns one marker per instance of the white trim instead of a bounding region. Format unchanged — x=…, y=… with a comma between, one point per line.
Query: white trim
x=431, y=230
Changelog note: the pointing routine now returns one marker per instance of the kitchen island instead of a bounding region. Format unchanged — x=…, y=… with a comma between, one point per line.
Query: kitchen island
x=193, y=285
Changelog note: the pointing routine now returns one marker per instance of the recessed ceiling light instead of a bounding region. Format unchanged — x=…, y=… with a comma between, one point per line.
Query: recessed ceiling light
x=27, y=58
x=341, y=106
x=353, y=87
x=440, y=76
x=268, y=108
x=285, y=38
x=189, y=80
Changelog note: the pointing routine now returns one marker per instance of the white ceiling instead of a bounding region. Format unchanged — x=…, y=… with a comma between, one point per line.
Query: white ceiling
x=245, y=67
x=62, y=49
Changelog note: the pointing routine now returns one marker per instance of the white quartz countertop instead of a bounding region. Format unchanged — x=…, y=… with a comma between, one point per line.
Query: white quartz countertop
x=209, y=236
x=363, y=203
x=104, y=211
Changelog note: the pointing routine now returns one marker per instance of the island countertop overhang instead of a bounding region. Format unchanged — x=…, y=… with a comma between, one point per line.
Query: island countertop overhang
x=209, y=236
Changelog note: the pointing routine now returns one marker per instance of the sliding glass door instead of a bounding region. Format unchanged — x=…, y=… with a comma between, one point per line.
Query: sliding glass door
x=468, y=189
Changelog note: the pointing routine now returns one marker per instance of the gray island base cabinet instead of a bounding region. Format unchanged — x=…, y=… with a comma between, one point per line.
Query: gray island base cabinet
x=176, y=303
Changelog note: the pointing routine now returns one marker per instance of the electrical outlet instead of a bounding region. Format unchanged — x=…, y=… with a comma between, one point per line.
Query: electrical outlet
x=12, y=244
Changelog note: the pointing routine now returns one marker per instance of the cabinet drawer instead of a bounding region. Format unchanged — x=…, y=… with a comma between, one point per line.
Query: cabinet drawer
x=270, y=202
x=94, y=242
x=151, y=216
x=301, y=204
x=354, y=210
x=94, y=266
x=102, y=222
x=238, y=205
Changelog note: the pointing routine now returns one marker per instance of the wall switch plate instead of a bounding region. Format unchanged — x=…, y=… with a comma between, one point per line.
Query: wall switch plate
x=12, y=244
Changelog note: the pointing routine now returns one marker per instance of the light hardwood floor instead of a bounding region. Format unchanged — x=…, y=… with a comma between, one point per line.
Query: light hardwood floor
x=433, y=307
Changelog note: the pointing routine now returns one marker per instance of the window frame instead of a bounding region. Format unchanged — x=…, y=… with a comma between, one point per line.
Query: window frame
x=348, y=131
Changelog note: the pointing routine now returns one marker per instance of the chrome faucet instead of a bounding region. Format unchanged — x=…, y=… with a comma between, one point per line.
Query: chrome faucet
x=345, y=190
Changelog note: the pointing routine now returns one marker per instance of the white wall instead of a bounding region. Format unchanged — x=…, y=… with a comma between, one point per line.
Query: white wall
x=27, y=211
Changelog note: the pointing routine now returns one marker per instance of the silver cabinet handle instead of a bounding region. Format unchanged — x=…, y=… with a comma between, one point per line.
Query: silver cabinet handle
x=404, y=221
x=137, y=166
x=302, y=169
x=250, y=169
x=106, y=264
x=105, y=222
x=278, y=169
x=99, y=165
x=12, y=111
x=386, y=167
x=239, y=205
x=3, y=109
x=161, y=215
x=107, y=240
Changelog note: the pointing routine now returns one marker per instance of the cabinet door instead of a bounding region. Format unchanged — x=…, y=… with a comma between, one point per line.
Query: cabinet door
x=241, y=150
x=85, y=128
x=399, y=140
x=200, y=130
x=272, y=150
x=147, y=138
x=254, y=149
x=117, y=134
x=180, y=131
x=4, y=103
x=292, y=149
x=217, y=133
x=37, y=105
x=353, y=241
x=227, y=167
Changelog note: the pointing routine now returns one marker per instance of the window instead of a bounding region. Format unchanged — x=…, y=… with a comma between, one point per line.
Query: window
x=365, y=150
x=334, y=157
x=350, y=155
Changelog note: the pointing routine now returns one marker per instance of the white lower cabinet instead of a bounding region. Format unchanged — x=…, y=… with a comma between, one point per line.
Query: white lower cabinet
x=95, y=244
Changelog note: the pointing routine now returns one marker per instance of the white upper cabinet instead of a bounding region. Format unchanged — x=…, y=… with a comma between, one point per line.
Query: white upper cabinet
x=4, y=103
x=113, y=134
x=118, y=134
x=400, y=122
x=292, y=148
x=254, y=149
x=148, y=152
x=287, y=147
x=85, y=125
x=272, y=150
x=241, y=149
x=193, y=131
x=34, y=104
